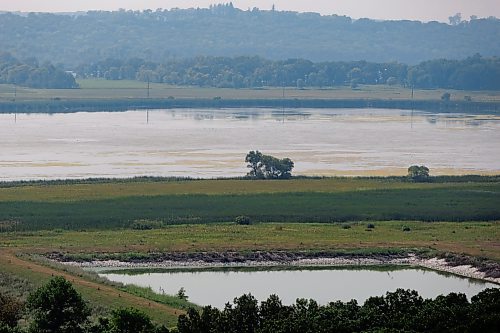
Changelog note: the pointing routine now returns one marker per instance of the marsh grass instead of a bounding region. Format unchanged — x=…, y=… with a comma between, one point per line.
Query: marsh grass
x=425, y=202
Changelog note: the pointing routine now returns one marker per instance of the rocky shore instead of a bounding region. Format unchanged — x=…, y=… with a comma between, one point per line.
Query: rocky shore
x=279, y=259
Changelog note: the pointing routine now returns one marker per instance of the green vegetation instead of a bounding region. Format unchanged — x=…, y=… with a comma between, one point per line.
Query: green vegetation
x=159, y=35
x=268, y=167
x=21, y=277
x=471, y=238
x=436, y=202
x=131, y=220
x=58, y=307
x=473, y=73
x=31, y=74
x=399, y=311
x=418, y=173
x=175, y=302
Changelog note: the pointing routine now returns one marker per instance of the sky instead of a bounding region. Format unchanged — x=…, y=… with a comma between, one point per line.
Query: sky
x=423, y=10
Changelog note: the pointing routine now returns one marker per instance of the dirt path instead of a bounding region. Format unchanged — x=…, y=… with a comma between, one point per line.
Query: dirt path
x=7, y=257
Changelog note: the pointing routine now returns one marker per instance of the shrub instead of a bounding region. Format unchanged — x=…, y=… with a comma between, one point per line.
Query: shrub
x=346, y=226
x=446, y=97
x=10, y=310
x=146, y=225
x=243, y=220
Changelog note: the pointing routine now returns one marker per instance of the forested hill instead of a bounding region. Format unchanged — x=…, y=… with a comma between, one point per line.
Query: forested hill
x=73, y=39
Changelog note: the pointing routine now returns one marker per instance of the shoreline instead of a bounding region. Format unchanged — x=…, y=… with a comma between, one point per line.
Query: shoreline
x=437, y=264
x=67, y=105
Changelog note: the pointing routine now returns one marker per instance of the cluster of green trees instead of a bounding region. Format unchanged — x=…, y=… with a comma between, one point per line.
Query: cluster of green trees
x=400, y=311
x=222, y=30
x=268, y=167
x=30, y=73
x=418, y=172
x=58, y=308
x=473, y=73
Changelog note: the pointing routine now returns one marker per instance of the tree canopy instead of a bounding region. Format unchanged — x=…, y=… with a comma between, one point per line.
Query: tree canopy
x=268, y=167
x=57, y=307
x=473, y=73
x=418, y=173
x=157, y=35
x=399, y=311
x=30, y=73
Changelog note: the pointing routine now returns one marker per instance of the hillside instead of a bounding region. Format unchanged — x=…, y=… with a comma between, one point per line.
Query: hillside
x=73, y=39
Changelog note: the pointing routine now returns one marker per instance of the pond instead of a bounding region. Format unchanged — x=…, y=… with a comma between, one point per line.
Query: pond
x=213, y=143
x=216, y=287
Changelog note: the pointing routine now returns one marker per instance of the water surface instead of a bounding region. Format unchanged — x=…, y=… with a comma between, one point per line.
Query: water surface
x=324, y=285
x=213, y=143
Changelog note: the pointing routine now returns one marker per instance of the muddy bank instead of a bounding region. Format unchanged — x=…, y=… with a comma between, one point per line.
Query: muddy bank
x=459, y=265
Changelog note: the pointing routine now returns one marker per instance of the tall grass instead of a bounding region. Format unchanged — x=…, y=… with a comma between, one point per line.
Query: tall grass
x=435, y=204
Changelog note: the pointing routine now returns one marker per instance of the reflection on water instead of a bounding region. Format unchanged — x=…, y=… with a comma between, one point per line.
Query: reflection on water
x=213, y=143
x=324, y=285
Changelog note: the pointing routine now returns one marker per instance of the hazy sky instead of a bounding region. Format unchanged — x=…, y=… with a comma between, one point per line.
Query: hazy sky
x=426, y=10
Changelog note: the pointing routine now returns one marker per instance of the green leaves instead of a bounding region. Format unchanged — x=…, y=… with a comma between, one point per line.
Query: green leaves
x=57, y=307
x=268, y=167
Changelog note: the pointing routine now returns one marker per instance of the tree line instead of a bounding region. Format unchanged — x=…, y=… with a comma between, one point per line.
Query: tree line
x=58, y=307
x=472, y=73
x=157, y=35
x=30, y=73
x=400, y=311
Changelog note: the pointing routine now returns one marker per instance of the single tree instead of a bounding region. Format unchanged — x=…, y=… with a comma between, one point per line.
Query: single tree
x=57, y=307
x=418, y=173
x=268, y=167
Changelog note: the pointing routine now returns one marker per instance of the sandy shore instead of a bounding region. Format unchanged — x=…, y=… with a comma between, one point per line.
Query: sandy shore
x=412, y=260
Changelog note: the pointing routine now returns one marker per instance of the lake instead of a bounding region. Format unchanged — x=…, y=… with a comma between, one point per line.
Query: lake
x=213, y=143
x=216, y=287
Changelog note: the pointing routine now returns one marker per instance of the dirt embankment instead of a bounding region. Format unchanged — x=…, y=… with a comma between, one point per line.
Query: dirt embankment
x=459, y=265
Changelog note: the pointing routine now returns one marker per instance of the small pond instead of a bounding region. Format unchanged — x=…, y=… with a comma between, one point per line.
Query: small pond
x=217, y=286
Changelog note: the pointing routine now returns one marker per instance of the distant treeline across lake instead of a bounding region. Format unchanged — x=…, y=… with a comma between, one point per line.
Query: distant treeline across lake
x=473, y=73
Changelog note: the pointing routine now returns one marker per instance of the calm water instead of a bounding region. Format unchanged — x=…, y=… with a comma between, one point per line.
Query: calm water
x=218, y=287
x=213, y=143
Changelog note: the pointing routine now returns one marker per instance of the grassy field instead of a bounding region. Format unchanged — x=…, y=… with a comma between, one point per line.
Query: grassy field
x=103, y=89
x=95, y=217
x=78, y=190
x=123, y=205
x=472, y=238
